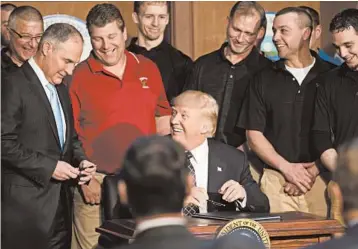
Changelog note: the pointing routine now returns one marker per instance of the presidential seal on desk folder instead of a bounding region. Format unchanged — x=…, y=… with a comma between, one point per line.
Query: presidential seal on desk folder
x=245, y=229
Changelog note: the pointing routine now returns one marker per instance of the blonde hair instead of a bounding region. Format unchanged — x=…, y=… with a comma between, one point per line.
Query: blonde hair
x=202, y=101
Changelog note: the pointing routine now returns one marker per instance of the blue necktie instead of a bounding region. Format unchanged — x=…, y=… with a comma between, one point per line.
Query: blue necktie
x=55, y=105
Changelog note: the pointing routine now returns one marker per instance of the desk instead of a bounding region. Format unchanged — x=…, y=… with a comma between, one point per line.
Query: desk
x=295, y=230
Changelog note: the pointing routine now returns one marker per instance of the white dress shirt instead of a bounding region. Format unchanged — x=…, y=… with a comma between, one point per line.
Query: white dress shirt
x=40, y=74
x=200, y=162
x=159, y=222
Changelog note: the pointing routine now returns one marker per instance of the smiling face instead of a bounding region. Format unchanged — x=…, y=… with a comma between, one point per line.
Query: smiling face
x=108, y=43
x=187, y=124
x=61, y=59
x=289, y=36
x=21, y=48
x=346, y=44
x=242, y=32
x=152, y=20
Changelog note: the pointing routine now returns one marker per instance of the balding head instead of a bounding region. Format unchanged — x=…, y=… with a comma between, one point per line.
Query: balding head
x=25, y=28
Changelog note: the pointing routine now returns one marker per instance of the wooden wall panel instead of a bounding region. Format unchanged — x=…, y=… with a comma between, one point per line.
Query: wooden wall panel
x=81, y=9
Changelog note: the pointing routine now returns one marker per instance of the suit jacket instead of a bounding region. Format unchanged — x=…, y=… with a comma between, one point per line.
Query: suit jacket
x=348, y=241
x=173, y=237
x=228, y=163
x=30, y=150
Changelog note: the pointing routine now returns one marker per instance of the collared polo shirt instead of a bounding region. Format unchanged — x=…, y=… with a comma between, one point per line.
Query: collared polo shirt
x=336, y=108
x=282, y=109
x=174, y=66
x=111, y=113
x=214, y=74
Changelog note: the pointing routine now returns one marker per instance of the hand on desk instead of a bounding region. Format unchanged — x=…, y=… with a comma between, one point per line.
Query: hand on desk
x=232, y=191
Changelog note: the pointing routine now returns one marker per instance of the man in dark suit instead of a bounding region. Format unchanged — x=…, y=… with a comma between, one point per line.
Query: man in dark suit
x=221, y=173
x=346, y=175
x=40, y=151
x=155, y=182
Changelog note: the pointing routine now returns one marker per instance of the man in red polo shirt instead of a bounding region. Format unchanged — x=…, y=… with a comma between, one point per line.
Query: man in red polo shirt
x=117, y=96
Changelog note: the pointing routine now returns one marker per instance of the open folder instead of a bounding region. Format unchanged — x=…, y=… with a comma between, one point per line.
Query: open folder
x=231, y=215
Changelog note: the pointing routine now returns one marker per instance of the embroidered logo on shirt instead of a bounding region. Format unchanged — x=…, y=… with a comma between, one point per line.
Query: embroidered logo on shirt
x=143, y=81
x=219, y=169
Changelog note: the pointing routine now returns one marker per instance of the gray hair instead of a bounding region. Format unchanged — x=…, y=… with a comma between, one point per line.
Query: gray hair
x=26, y=13
x=59, y=33
x=249, y=8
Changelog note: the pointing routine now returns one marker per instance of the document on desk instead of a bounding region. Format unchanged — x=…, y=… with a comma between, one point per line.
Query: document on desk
x=231, y=215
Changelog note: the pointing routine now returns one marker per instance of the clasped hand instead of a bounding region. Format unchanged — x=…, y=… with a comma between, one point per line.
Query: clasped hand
x=65, y=171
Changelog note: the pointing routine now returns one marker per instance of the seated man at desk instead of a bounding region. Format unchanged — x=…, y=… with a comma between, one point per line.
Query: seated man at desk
x=220, y=173
x=155, y=182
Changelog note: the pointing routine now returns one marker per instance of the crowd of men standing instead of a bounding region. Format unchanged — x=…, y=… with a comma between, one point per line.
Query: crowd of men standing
x=68, y=124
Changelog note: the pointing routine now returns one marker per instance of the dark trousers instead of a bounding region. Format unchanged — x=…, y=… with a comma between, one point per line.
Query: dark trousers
x=61, y=229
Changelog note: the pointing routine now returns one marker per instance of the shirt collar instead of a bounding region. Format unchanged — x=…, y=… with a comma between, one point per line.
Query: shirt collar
x=136, y=48
x=200, y=151
x=38, y=71
x=344, y=70
x=318, y=63
x=6, y=61
x=96, y=66
x=250, y=60
x=159, y=222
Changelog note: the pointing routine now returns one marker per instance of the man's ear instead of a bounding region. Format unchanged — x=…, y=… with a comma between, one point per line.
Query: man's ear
x=307, y=33
x=261, y=33
x=125, y=34
x=318, y=31
x=122, y=190
x=135, y=18
x=46, y=48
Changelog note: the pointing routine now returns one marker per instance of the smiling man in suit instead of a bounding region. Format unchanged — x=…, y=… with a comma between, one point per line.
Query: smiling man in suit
x=220, y=172
x=40, y=151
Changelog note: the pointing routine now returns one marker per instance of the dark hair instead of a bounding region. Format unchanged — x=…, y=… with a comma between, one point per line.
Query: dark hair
x=102, y=14
x=27, y=13
x=155, y=174
x=300, y=12
x=247, y=7
x=137, y=5
x=344, y=20
x=346, y=174
x=313, y=13
x=8, y=6
x=59, y=33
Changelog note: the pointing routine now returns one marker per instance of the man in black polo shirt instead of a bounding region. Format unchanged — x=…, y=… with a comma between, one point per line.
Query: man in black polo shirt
x=25, y=28
x=152, y=19
x=336, y=110
x=277, y=116
x=224, y=73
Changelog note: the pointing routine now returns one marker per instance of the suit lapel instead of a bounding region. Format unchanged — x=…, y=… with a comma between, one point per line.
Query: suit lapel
x=37, y=88
x=217, y=169
x=62, y=92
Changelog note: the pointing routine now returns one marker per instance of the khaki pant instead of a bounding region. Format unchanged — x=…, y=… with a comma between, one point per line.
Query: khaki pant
x=314, y=201
x=86, y=219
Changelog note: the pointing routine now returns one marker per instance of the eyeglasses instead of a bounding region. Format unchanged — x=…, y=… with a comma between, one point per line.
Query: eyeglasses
x=216, y=203
x=26, y=38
